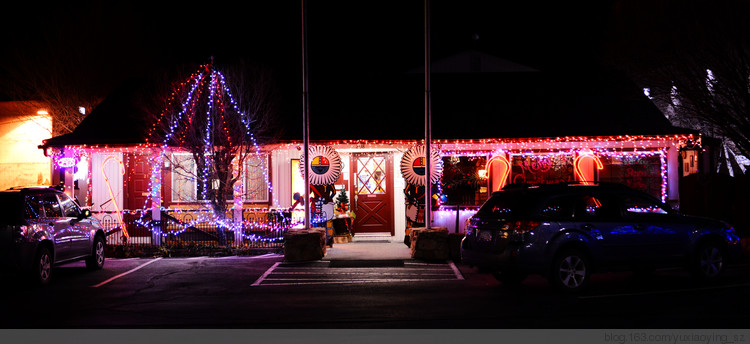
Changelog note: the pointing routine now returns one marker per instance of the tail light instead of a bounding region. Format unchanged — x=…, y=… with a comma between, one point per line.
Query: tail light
x=521, y=226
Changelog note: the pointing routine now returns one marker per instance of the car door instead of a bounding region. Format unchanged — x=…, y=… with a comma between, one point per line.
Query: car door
x=80, y=230
x=661, y=237
x=599, y=215
x=58, y=224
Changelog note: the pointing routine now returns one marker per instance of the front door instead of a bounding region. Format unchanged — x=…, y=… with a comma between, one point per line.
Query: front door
x=373, y=186
x=137, y=182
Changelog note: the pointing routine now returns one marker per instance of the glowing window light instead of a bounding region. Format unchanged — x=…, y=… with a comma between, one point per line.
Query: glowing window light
x=42, y=112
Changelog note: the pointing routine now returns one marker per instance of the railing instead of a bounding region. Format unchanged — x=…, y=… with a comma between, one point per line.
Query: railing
x=258, y=228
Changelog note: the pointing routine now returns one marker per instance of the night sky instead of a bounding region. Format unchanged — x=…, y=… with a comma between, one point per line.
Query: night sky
x=352, y=44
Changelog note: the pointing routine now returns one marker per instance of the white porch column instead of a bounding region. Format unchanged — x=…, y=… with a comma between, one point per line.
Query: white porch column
x=156, y=180
x=239, y=232
x=673, y=174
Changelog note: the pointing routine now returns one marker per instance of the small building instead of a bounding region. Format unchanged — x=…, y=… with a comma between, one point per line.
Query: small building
x=23, y=124
x=489, y=129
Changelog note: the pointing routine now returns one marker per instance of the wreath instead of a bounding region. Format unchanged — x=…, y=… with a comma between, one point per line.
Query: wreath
x=325, y=166
x=413, y=166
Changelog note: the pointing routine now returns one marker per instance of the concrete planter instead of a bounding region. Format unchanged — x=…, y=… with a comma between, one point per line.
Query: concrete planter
x=304, y=245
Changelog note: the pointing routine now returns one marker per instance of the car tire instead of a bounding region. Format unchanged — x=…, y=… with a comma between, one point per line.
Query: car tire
x=708, y=261
x=41, y=270
x=510, y=277
x=96, y=260
x=571, y=270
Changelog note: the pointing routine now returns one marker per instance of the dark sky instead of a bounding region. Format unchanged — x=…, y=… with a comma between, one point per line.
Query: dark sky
x=346, y=38
x=350, y=43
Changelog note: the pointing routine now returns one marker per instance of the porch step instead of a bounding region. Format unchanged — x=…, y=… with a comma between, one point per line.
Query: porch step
x=372, y=237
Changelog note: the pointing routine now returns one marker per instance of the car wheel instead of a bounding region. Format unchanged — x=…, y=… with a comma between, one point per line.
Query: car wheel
x=510, y=277
x=41, y=272
x=570, y=271
x=708, y=262
x=96, y=260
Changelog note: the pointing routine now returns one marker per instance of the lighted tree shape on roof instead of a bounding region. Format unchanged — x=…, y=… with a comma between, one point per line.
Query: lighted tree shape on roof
x=203, y=120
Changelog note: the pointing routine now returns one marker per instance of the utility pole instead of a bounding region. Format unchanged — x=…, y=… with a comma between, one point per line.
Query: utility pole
x=305, y=117
x=427, y=120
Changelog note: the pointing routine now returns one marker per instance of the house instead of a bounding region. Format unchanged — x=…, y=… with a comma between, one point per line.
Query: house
x=23, y=124
x=491, y=125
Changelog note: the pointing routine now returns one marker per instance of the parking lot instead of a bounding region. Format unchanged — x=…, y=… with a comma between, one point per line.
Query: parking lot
x=266, y=292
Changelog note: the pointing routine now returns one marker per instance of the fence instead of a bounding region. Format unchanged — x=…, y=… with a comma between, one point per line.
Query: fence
x=259, y=228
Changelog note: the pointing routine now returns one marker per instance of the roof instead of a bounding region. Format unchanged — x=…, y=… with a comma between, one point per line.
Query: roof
x=120, y=119
x=501, y=103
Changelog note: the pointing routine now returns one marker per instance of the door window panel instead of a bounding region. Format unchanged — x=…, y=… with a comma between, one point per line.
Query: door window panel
x=371, y=173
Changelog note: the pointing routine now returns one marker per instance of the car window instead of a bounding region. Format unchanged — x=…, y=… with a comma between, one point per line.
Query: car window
x=69, y=207
x=595, y=207
x=506, y=203
x=559, y=208
x=51, y=206
x=34, y=207
x=635, y=205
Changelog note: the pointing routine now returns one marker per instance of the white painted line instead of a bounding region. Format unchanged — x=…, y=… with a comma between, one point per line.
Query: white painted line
x=126, y=273
x=659, y=292
x=267, y=255
x=268, y=272
x=351, y=281
x=459, y=276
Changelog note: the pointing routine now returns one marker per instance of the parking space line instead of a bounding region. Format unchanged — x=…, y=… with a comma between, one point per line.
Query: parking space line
x=265, y=274
x=669, y=291
x=126, y=273
x=458, y=273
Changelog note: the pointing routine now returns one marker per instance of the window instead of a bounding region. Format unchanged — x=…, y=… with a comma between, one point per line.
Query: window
x=542, y=169
x=635, y=206
x=34, y=207
x=256, y=178
x=186, y=188
x=69, y=207
x=51, y=206
x=461, y=181
x=642, y=173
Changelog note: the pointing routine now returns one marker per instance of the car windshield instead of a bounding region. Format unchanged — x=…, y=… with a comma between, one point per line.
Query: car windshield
x=11, y=209
x=507, y=203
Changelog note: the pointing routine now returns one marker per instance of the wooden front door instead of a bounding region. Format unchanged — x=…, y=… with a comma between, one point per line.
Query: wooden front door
x=372, y=186
x=137, y=180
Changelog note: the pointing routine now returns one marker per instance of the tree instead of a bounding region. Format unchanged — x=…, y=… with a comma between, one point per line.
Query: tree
x=693, y=58
x=218, y=128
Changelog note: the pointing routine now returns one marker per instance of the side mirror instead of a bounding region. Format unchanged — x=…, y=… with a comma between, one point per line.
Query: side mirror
x=85, y=213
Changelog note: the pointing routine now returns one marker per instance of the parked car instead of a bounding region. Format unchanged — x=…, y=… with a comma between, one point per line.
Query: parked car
x=41, y=227
x=567, y=231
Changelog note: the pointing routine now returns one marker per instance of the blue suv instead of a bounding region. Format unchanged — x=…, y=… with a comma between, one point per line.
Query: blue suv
x=567, y=231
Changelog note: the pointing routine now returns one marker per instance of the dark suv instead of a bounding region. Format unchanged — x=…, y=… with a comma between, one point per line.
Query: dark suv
x=567, y=231
x=41, y=227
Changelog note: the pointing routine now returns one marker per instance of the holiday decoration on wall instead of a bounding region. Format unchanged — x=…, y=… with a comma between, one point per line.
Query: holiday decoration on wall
x=413, y=166
x=498, y=170
x=324, y=167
